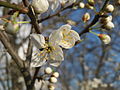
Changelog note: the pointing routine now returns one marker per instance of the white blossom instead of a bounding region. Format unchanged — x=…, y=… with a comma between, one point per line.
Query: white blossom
x=46, y=50
x=40, y=6
x=51, y=50
x=69, y=37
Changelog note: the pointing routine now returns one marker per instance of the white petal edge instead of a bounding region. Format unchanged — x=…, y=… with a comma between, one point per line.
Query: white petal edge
x=67, y=42
x=65, y=27
x=38, y=40
x=56, y=54
x=38, y=59
x=55, y=37
x=75, y=35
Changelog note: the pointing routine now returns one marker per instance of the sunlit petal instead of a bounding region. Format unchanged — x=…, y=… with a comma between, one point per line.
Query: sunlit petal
x=65, y=29
x=38, y=40
x=75, y=35
x=55, y=63
x=67, y=42
x=56, y=54
x=55, y=37
x=39, y=58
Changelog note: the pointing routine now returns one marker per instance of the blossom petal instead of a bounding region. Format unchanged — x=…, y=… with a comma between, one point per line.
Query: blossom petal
x=40, y=6
x=65, y=29
x=55, y=4
x=38, y=40
x=55, y=37
x=67, y=42
x=55, y=63
x=75, y=35
x=39, y=58
x=56, y=54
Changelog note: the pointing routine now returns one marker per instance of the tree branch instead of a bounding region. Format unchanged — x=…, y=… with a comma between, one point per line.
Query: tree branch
x=17, y=60
x=100, y=64
x=14, y=6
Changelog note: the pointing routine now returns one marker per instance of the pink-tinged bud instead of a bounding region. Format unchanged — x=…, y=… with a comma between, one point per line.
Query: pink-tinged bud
x=106, y=39
x=40, y=6
x=81, y=5
x=109, y=8
x=86, y=17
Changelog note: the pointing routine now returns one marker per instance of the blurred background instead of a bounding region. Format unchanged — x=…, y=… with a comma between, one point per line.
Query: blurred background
x=90, y=65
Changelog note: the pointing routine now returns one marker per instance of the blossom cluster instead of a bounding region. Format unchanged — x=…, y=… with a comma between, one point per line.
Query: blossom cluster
x=51, y=50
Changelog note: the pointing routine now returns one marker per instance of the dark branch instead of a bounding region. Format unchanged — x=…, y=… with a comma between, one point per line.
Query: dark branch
x=14, y=6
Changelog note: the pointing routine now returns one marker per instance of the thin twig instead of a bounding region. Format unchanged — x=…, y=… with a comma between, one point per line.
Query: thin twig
x=14, y=6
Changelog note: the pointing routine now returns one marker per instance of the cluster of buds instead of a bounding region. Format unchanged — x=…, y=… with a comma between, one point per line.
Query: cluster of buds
x=106, y=39
x=53, y=77
x=107, y=22
x=86, y=17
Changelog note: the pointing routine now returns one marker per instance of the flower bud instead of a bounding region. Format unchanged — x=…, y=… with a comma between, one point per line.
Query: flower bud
x=11, y=28
x=91, y=2
x=108, y=25
x=89, y=6
x=48, y=70
x=51, y=87
x=53, y=79
x=105, y=38
x=109, y=8
x=55, y=74
x=40, y=6
x=81, y=5
x=86, y=17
